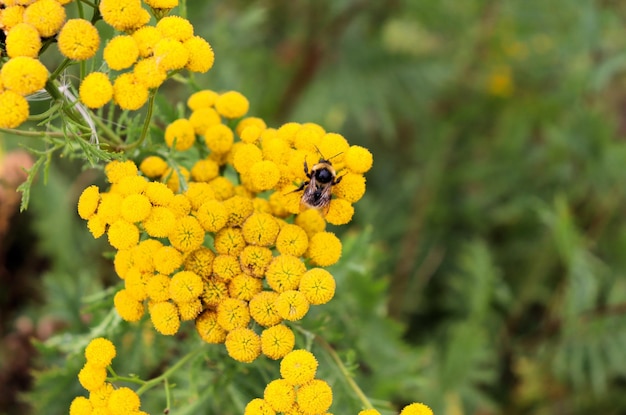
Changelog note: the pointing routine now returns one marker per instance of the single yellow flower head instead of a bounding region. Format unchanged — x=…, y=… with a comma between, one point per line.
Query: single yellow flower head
x=23, y=75
x=215, y=292
x=160, y=222
x=135, y=208
x=198, y=193
x=158, y=288
x=223, y=188
x=244, y=287
x=159, y=194
x=287, y=131
x=263, y=175
x=324, y=249
x=277, y=341
x=189, y=310
x=260, y=229
x=96, y=225
x=308, y=138
x=201, y=55
x=96, y=90
x=100, y=397
x=284, y=273
x=318, y=286
x=180, y=205
x=153, y=166
x=243, y=345
x=204, y=171
x=109, y=208
x=232, y=104
x=351, y=187
x=299, y=367
x=167, y=259
x=263, y=309
x=122, y=262
x=116, y=170
x=143, y=254
x=233, y=313
x=292, y=240
x=170, y=54
x=219, y=138
x=202, y=99
x=315, y=397
x=162, y=4
x=358, y=159
x=369, y=412
x=180, y=134
x=165, y=318
x=136, y=283
x=81, y=406
x=13, y=109
x=129, y=93
x=255, y=259
x=239, y=208
x=11, y=16
x=78, y=39
x=262, y=205
x=123, y=401
x=250, y=122
x=127, y=306
x=187, y=234
x=212, y=215
x=23, y=40
x=123, y=234
x=258, y=406
x=92, y=377
x=47, y=16
x=229, y=241
x=148, y=71
x=225, y=267
x=312, y=221
x=340, y=212
x=175, y=27
x=208, y=329
x=130, y=185
x=288, y=199
x=124, y=15
x=146, y=38
x=185, y=286
x=245, y=155
x=100, y=352
x=251, y=134
x=416, y=408
x=88, y=202
x=280, y=395
x=334, y=145
x=203, y=118
x=292, y=305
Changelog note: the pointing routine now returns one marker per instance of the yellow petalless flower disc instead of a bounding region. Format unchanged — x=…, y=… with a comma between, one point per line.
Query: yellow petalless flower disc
x=284, y=273
x=416, y=408
x=298, y=367
x=264, y=175
x=92, y=377
x=189, y=310
x=88, y=202
x=262, y=205
x=205, y=171
x=225, y=267
x=13, y=109
x=369, y=412
x=121, y=52
x=198, y=193
x=127, y=306
x=244, y=287
x=318, y=286
x=81, y=406
x=47, y=16
x=158, y=288
x=135, y=284
x=245, y=156
x=180, y=205
x=170, y=54
x=312, y=221
x=243, y=345
x=187, y=234
x=100, y=397
x=277, y=341
x=130, y=185
x=148, y=71
x=203, y=118
x=201, y=55
x=180, y=134
x=122, y=262
x=292, y=305
x=239, y=208
x=292, y=240
x=100, y=352
x=202, y=99
x=229, y=241
x=153, y=166
x=160, y=222
x=290, y=199
x=129, y=93
x=11, y=16
x=165, y=318
x=315, y=397
x=334, y=146
x=146, y=38
x=219, y=138
x=200, y=261
x=223, y=188
x=78, y=39
x=251, y=134
x=308, y=138
x=97, y=226
x=116, y=170
x=287, y=131
x=250, y=122
x=263, y=309
x=208, y=329
x=109, y=208
x=258, y=406
x=159, y=194
x=124, y=15
x=255, y=259
x=358, y=159
x=123, y=401
x=167, y=259
x=260, y=229
x=185, y=286
x=324, y=249
x=162, y=4
x=23, y=40
x=280, y=395
x=175, y=27
x=215, y=291
x=135, y=208
x=23, y=75
x=96, y=90
x=233, y=313
x=340, y=212
x=232, y=104
x=351, y=187
x=142, y=255
x=123, y=234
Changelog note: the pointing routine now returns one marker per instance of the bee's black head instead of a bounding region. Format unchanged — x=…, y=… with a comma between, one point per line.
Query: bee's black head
x=324, y=175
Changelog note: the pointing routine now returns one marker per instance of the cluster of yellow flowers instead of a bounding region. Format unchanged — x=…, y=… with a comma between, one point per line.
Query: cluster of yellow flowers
x=226, y=251
x=103, y=397
x=151, y=51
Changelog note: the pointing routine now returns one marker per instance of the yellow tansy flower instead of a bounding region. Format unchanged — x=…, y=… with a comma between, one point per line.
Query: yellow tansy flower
x=146, y=38
x=122, y=262
x=308, y=138
x=153, y=166
x=96, y=225
x=203, y=118
x=13, y=109
x=351, y=187
x=280, y=395
x=219, y=138
x=416, y=408
x=287, y=131
x=229, y=241
x=160, y=222
x=162, y=4
x=208, y=329
x=185, y=286
x=180, y=205
x=96, y=90
x=165, y=318
x=167, y=259
x=148, y=71
x=128, y=307
x=277, y=341
x=123, y=234
x=175, y=27
x=198, y=193
x=200, y=261
x=189, y=310
x=292, y=240
x=263, y=175
x=292, y=305
x=81, y=406
x=88, y=202
x=258, y=406
x=123, y=401
x=109, y=208
x=318, y=286
x=100, y=352
x=24, y=75
x=129, y=92
x=223, y=188
x=135, y=283
x=202, y=99
x=187, y=234
x=315, y=397
x=340, y=212
x=284, y=273
x=170, y=54
x=92, y=377
x=159, y=193
x=204, y=171
x=47, y=16
x=201, y=55
x=225, y=267
x=255, y=259
x=180, y=134
x=100, y=397
x=243, y=345
x=136, y=208
x=116, y=170
x=11, y=16
x=298, y=367
x=263, y=309
x=369, y=412
x=239, y=208
x=334, y=146
x=23, y=40
x=251, y=134
x=78, y=39
x=324, y=249
x=311, y=220
x=358, y=159
x=124, y=15
x=158, y=288
x=260, y=229
x=250, y=122
x=244, y=287
x=215, y=292
x=130, y=185
x=233, y=313
x=232, y=104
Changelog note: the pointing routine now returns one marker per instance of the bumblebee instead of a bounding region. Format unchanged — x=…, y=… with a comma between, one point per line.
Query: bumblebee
x=318, y=189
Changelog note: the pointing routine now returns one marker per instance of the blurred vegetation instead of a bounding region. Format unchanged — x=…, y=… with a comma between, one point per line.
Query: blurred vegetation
x=484, y=271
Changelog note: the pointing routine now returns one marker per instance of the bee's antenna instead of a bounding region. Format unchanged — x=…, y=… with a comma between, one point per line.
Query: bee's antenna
x=322, y=156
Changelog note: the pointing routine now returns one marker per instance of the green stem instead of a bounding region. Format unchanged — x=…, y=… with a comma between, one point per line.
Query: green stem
x=146, y=123
x=127, y=379
x=44, y=115
x=81, y=12
x=31, y=133
x=165, y=375
x=168, y=396
x=59, y=69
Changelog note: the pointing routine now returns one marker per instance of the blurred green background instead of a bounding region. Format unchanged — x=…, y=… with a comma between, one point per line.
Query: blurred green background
x=484, y=270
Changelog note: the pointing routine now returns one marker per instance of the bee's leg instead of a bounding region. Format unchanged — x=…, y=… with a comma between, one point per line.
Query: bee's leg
x=306, y=170
x=302, y=186
x=337, y=180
